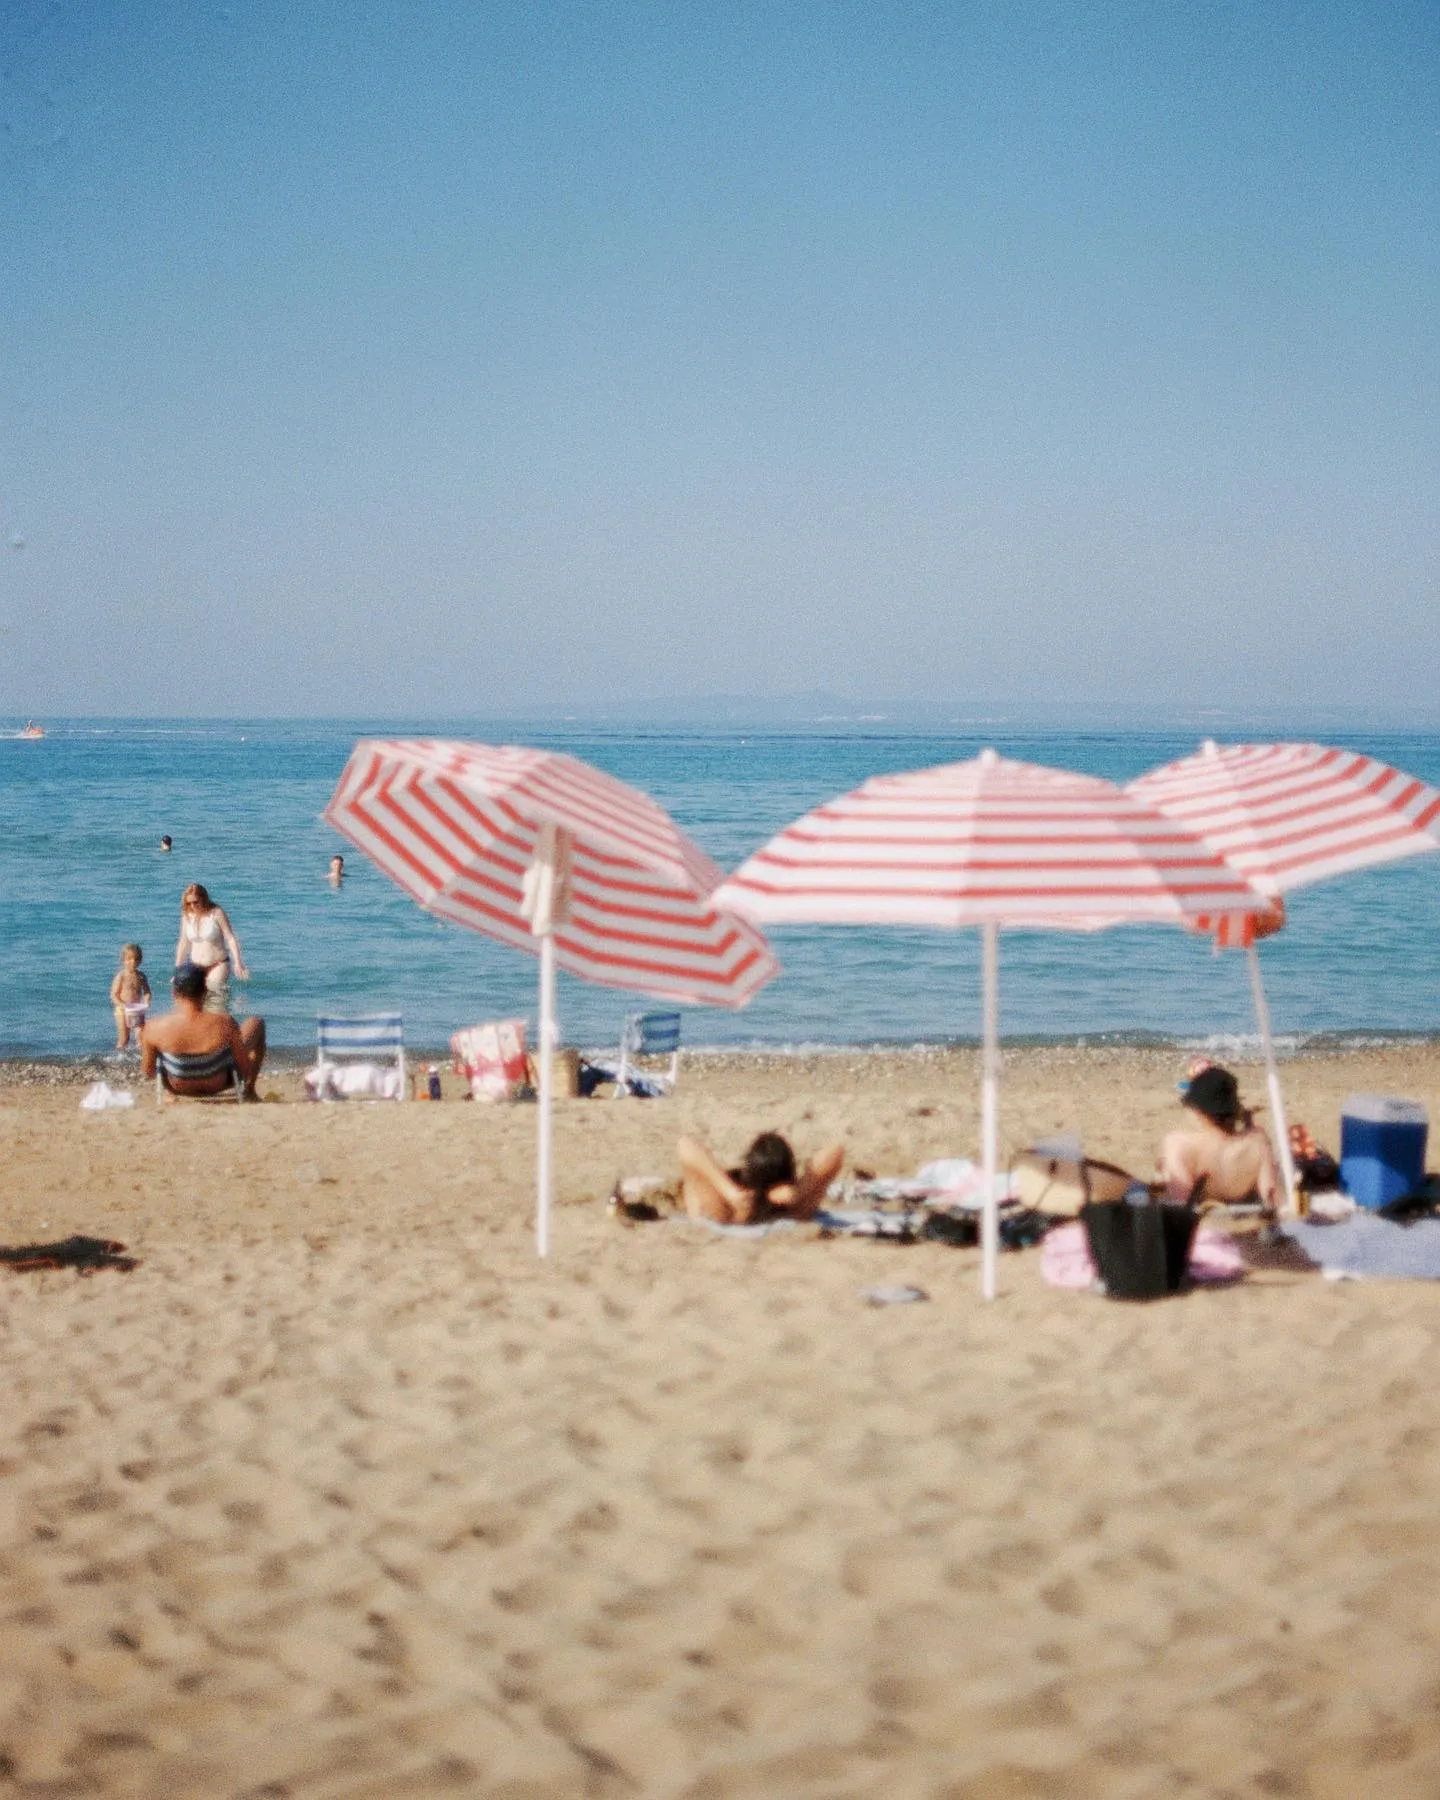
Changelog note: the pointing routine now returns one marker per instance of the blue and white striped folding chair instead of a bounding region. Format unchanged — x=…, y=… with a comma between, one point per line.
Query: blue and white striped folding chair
x=203, y=1065
x=648, y=1034
x=374, y=1038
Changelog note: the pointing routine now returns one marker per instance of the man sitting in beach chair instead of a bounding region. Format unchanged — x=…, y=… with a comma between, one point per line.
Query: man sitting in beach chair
x=199, y=1055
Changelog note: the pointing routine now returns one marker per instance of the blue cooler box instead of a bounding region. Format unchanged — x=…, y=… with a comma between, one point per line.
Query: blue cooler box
x=1382, y=1148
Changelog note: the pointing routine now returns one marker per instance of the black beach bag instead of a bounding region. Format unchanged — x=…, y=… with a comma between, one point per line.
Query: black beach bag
x=1140, y=1246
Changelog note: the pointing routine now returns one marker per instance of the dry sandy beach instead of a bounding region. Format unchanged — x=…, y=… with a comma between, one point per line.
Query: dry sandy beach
x=342, y=1494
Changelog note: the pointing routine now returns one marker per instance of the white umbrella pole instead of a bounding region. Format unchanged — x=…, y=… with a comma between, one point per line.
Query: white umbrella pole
x=990, y=1105
x=547, y=1060
x=1272, y=1080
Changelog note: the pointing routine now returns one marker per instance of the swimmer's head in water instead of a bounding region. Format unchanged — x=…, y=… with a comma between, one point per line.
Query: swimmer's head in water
x=188, y=983
x=1215, y=1094
x=165, y=842
x=768, y=1163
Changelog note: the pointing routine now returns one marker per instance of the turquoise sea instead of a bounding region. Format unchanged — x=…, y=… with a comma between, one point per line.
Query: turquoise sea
x=82, y=811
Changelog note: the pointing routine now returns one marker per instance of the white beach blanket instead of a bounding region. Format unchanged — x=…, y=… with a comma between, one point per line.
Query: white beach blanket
x=763, y=1229
x=952, y=1182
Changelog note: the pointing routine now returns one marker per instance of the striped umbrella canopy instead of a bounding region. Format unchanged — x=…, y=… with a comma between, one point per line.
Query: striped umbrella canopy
x=1284, y=816
x=550, y=855
x=1287, y=815
x=989, y=843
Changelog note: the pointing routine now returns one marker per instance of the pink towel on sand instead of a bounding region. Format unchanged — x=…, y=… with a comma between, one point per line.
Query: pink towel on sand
x=1065, y=1257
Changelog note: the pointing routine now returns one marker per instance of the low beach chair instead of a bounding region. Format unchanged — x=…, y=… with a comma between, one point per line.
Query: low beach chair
x=171, y=1066
x=372, y=1038
x=648, y=1034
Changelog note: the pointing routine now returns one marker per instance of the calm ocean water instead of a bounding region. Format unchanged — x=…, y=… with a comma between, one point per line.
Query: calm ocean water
x=81, y=814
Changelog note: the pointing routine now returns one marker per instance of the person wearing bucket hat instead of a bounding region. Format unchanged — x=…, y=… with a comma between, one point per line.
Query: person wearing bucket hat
x=1221, y=1143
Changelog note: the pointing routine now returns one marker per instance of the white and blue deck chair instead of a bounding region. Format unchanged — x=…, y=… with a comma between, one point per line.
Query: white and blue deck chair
x=202, y=1065
x=648, y=1034
x=373, y=1038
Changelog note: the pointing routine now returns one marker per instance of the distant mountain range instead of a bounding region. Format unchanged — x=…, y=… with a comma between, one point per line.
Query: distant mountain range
x=818, y=708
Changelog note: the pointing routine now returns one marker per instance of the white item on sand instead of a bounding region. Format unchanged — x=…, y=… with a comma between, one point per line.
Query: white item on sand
x=353, y=1081
x=102, y=1096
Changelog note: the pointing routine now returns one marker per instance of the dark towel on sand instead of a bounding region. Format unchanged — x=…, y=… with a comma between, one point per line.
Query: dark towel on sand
x=83, y=1254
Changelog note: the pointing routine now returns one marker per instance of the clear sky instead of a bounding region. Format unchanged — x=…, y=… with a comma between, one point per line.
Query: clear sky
x=374, y=357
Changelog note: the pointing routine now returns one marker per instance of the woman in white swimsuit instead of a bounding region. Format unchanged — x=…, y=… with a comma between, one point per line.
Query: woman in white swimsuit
x=207, y=940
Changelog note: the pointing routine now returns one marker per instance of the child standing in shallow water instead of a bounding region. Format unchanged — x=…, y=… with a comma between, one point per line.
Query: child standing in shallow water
x=130, y=996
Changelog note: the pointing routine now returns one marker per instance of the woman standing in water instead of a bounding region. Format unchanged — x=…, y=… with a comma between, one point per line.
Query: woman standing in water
x=208, y=941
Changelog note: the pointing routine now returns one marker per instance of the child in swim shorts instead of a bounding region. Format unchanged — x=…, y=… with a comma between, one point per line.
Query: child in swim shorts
x=130, y=997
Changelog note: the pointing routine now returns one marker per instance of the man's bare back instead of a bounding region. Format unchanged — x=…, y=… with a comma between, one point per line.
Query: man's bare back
x=191, y=1031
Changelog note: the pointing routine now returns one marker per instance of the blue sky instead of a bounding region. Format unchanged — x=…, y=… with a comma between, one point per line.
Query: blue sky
x=408, y=359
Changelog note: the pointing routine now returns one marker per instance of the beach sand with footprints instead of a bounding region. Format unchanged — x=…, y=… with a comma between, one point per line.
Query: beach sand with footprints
x=342, y=1493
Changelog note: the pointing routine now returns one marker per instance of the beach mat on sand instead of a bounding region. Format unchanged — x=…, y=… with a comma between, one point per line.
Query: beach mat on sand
x=1365, y=1245
x=902, y=1228
x=82, y=1254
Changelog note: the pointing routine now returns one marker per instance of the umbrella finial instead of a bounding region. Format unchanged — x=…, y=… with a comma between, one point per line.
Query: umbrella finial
x=988, y=757
x=1209, y=748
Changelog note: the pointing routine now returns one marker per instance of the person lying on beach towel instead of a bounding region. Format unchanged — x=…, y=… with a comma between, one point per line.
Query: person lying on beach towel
x=767, y=1184
x=1222, y=1145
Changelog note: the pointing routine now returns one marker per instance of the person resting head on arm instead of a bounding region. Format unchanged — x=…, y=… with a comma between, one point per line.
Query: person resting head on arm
x=1221, y=1142
x=767, y=1184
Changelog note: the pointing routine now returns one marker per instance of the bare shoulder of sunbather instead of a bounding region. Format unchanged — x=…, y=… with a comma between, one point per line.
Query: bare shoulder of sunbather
x=1235, y=1166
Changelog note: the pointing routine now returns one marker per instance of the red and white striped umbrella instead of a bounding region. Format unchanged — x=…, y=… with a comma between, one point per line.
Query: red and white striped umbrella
x=550, y=855
x=990, y=843
x=986, y=841
x=1287, y=815
x=457, y=826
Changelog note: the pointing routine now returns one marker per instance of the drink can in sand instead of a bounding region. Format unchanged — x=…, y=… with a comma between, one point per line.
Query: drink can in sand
x=433, y=1082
